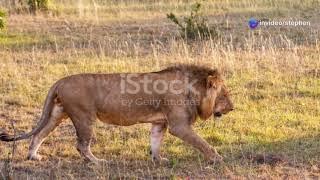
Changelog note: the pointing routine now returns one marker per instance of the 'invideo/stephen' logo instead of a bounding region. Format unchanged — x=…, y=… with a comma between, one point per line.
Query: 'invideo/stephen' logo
x=253, y=23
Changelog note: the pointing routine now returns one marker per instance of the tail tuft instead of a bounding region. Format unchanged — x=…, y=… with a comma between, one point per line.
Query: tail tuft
x=5, y=137
x=45, y=117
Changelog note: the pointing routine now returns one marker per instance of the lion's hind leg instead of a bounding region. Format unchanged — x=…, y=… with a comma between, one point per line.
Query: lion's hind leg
x=83, y=123
x=56, y=117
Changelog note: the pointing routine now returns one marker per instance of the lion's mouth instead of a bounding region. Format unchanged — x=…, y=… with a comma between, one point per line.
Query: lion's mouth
x=217, y=114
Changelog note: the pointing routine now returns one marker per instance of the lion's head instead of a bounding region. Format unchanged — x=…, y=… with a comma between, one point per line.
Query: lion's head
x=212, y=94
x=223, y=103
x=216, y=100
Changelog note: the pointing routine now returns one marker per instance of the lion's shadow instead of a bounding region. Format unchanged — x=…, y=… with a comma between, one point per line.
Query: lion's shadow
x=304, y=150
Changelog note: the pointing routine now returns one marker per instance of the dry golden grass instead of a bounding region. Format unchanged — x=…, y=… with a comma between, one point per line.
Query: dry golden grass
x=274, y=73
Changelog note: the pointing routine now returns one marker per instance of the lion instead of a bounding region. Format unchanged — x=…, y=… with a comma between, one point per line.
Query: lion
x=171, y=99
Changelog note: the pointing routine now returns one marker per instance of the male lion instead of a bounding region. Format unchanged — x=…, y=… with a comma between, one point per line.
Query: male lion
x=172, y=98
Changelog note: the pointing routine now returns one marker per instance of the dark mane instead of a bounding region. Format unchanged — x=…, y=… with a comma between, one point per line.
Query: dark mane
x=194, y=71
x=200, y=73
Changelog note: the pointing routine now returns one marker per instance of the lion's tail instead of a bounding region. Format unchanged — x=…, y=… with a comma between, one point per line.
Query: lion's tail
x=44, y=119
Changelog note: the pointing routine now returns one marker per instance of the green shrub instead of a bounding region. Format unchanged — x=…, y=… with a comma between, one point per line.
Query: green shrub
x=2, y=19
x=194, y=26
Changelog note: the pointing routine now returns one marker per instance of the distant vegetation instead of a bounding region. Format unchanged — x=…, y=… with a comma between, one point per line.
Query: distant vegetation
x=194, y=26
x=2, y=19
x=35, y=5
x=26, y=6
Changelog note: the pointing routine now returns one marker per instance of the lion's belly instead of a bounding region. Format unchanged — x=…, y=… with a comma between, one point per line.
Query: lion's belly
x=131, y=119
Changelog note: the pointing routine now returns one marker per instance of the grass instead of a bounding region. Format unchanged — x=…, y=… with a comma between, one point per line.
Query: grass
x=274, y=73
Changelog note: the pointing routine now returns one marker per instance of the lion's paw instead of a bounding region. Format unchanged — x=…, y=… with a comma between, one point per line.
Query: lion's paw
x=98, y=162
x=216, y=159
x=160, y=160
x=34, y=157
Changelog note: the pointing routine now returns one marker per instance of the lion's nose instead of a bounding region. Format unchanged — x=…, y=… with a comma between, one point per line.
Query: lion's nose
x=231, y=109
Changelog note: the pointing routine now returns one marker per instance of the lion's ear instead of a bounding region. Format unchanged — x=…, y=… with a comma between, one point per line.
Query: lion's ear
x=211, y=82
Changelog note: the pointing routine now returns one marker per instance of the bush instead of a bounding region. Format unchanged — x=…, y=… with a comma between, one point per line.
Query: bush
x=194, y=26
x=2, y=19
x=35, y=5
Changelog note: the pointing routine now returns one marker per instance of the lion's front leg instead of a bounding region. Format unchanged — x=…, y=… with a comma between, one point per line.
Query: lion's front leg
x=156, y=138
x=185, y=132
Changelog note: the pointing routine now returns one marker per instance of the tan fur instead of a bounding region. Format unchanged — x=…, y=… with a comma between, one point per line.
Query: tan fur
x=87, y=97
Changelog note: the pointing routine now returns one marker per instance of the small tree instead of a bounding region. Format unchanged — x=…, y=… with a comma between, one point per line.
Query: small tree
x=35, y=5
x=194, y=26
x=2, y=19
